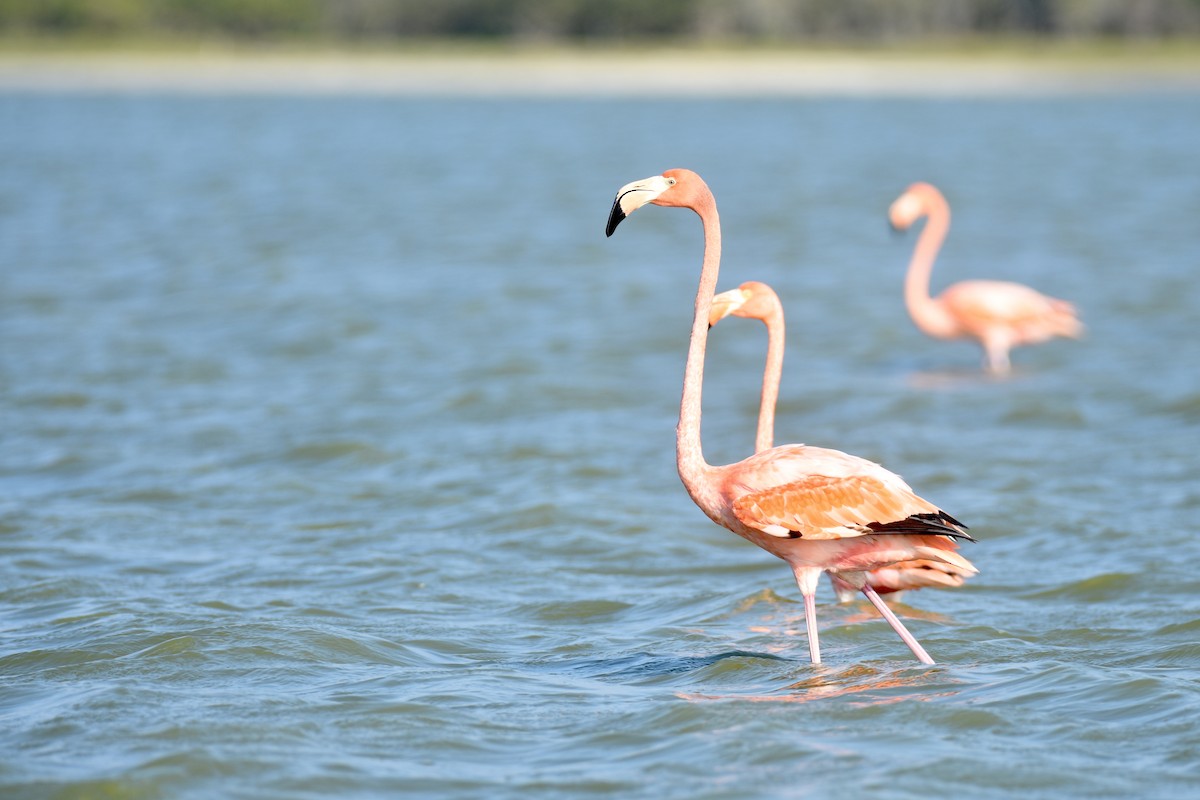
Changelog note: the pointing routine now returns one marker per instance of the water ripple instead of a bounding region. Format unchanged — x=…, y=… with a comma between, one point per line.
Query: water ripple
x=334, y=468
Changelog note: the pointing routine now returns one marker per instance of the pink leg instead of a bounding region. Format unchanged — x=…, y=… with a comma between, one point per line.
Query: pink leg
x=897, y=625
x=996, y=356
x=810, y=620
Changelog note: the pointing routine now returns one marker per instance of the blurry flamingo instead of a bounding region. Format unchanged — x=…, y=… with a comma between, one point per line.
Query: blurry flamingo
x=819, y=510
x=1000, y=314
x=757, y=300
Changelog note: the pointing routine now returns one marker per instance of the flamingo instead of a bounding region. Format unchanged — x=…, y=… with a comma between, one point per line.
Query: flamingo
x=757, y=300
x=1000, y=314
x=820, y=510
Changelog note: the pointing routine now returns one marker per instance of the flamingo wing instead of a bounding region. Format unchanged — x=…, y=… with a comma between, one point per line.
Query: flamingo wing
x=1001, y=302
x=825, y=507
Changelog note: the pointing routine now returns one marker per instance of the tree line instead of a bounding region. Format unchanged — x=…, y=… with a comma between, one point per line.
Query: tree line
x=779, y=21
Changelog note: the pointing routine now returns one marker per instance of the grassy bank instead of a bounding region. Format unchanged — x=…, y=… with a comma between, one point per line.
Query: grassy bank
x=945, y=66
x=1181, y=51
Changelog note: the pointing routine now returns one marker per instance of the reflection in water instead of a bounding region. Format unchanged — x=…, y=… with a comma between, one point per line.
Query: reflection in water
x=854, y=680
x=961, y=378
x=766, y=596
x=865, y=612
x=860, y=611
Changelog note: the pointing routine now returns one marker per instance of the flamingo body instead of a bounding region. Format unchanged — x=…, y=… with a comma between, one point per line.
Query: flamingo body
x=1000, y=315
x=819, y=510
x=985, y=309
x=757, y=300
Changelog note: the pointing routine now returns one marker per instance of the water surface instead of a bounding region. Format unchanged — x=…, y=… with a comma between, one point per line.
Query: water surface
x=338, y=449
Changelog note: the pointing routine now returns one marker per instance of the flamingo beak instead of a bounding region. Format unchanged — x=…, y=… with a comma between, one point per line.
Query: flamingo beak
x=726, y=303
x=633, y=196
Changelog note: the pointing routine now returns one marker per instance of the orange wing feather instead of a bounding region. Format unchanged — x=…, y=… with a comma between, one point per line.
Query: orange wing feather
x=823, y=507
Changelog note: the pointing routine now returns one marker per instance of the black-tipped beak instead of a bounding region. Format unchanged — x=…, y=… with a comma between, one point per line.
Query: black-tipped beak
x=633, y=196
x=614, y=217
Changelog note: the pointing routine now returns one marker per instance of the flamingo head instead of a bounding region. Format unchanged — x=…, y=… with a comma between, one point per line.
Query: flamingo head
x=751, y=300
x=912, y=205
x=675, y=187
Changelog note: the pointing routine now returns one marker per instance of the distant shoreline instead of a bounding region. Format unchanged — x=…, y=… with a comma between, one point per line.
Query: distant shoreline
x=583, y=73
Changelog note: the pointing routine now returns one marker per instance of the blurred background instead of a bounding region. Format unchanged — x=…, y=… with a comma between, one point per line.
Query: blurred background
x=760, y=21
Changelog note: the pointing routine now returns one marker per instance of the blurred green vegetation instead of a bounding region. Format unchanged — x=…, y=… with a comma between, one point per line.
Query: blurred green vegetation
x=567, y=21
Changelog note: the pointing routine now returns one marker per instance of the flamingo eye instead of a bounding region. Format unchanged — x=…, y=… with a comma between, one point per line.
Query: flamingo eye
x=670, y=181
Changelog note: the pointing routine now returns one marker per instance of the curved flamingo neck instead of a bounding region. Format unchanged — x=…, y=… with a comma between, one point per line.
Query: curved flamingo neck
x=772, y=374
x=926, y=312
x=689, y=455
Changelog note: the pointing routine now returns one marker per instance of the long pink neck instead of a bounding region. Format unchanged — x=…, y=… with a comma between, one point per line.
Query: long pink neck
x=926, y=312
x=765, y=439
x=689, y=456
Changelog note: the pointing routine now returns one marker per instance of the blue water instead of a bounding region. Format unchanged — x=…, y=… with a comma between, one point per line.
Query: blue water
x=337, y=450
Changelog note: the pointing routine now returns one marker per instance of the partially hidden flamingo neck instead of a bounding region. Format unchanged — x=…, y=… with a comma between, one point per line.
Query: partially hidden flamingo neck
x=928, y=315
x=765, y=438
x=689, y=454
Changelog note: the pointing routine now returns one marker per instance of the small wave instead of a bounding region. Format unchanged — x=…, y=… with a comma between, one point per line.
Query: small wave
x=1110, y=586
x=172, y=647
x=1045, y=412
x=359, y=452
x=56, y=400
x=579, y=610
x=155, y=495
x=1187, y=407
x=643, y=666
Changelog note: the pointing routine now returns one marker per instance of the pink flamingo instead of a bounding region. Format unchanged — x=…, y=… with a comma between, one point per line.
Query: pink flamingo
x=757, y=300
x=819, y=510
x=1000, y=314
